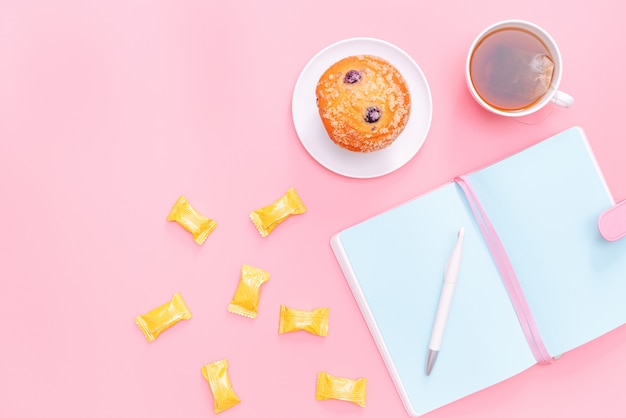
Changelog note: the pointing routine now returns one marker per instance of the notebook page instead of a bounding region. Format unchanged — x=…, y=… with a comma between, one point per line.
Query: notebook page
x=544, y=202
x=395, y=263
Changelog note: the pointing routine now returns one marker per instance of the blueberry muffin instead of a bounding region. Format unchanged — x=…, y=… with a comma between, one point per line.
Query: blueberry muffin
x=364, y=103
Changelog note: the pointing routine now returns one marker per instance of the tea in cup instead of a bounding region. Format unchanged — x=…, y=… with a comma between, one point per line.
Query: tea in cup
x=514, y=68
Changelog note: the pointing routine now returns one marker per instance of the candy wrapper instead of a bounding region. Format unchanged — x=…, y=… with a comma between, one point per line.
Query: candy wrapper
x=330, y=387
x=161, y=318
x=198, y=225
x=246, y=299
x=268, y=217
x=216, y=374
x=314, y=321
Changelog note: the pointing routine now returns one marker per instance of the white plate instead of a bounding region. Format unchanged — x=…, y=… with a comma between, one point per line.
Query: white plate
x=311, y=131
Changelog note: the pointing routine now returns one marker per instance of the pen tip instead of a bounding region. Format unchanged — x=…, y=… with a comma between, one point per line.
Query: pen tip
x=430, y=362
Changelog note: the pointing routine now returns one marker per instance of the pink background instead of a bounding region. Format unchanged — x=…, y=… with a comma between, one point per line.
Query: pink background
x=110, y=110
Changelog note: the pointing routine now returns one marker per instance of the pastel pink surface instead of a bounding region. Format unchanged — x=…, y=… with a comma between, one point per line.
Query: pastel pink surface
x=111, y=110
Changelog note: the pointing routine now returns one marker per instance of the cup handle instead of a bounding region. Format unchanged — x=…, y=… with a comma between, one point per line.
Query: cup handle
x=562, y=99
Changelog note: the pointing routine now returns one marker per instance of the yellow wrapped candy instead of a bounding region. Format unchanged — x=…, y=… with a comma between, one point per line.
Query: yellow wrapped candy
x=216, y=374
x=161, y=318
x=200, y=226
x=315, y=321
x=246, y=299
x=330, y=387
x=268, y=217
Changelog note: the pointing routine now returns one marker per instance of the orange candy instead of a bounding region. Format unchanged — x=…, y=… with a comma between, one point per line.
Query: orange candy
x=216, y=374
x=269, y=217
x=162, y=317
x=331, y=387
x=314, y=321
x=246, y=299
x=198, y=225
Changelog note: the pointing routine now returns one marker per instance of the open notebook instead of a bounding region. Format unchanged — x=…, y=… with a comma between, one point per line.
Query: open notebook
x=544, y=203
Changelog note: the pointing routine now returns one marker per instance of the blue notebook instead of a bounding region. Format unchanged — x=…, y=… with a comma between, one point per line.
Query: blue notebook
x=544, y=203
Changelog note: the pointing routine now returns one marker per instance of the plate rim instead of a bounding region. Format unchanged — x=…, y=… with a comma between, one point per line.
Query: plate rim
x=427, y=95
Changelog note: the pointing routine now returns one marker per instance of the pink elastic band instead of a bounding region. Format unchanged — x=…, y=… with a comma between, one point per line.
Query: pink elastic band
x=509, y=278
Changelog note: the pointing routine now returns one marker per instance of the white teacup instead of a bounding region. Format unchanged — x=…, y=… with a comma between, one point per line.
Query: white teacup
x=552, y=93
